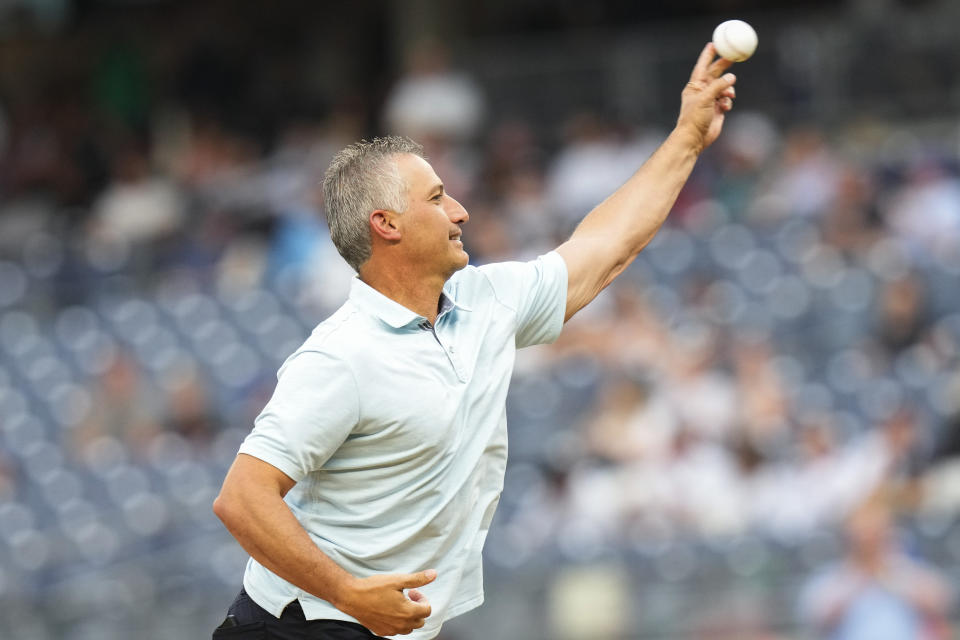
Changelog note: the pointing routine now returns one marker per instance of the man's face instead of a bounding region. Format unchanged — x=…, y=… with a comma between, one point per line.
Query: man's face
x=430, y=227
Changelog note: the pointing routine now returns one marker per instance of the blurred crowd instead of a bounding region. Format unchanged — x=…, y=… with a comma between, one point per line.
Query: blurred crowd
x=785, y=348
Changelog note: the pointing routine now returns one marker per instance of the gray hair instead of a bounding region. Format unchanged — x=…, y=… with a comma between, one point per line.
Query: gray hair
x=361, y=178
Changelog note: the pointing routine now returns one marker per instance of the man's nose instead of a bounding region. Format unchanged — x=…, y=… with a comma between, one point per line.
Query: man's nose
x=455, y=211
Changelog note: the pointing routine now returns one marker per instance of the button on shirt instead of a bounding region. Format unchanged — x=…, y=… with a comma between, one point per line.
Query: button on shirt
x=395, y=431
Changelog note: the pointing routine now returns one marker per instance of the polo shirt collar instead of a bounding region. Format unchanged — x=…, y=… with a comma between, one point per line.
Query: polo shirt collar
x=371, y=301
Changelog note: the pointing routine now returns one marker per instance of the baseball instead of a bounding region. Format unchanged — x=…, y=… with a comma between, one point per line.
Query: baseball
x=735, y=40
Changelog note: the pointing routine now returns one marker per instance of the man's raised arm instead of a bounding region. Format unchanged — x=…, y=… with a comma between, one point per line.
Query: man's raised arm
x=612, y=235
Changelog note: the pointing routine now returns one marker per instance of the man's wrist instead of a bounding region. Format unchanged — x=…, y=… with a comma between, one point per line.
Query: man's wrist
x=343, y=592
x=687, y=136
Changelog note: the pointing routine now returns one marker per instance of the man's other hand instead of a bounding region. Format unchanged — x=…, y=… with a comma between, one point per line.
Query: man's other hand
x=379, y=602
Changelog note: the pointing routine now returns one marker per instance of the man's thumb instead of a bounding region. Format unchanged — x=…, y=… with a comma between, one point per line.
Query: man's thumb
x=419, y=579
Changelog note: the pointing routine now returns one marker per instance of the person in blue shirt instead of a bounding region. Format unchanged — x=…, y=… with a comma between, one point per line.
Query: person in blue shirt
x=876, y=592
x=365, y=490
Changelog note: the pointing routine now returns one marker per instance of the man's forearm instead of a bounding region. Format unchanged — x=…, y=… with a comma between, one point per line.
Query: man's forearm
x=251, y=506
x=612, y=235
x=267, y=529
x=630, y=217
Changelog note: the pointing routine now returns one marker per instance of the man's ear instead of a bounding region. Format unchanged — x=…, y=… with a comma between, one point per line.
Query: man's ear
x=383, y=223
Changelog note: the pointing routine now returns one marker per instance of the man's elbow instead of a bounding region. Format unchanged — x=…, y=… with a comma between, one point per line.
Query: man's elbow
x=224, y=507
x=251, y=486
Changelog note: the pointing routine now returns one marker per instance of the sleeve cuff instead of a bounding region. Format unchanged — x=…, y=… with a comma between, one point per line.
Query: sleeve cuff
x=284, y=464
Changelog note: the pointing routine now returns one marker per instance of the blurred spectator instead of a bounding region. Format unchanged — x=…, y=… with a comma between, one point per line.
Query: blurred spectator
x=210, y=157
x=851, y=221
x=703, y=395
x=704, y=486
x=124, y=406
x=432, y=100
x=137, y=208
x=925, y=211
x=902, y=317
x=877, y=591
x=749, y=141
x=763, y=408
x=845, y=473
x=782, y=498
x=806, y=181
x=902, y=434
x=594, y=161
x=632, y=422
x=443, y=109
x=189, y=412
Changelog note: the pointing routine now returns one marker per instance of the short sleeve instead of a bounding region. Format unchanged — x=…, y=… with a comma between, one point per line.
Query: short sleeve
x=313, y=410
x=536, y=291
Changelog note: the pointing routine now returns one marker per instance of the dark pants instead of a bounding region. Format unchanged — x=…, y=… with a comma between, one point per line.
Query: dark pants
x=246, y=620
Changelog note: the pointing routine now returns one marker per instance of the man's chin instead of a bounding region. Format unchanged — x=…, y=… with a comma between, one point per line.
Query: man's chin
x=460, y=263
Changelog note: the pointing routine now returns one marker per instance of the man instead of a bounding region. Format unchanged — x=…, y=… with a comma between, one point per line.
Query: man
x=366, y=488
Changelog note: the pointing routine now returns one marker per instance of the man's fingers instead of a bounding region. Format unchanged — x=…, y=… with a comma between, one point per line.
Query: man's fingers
x=423, y=607
x=419, y=603
x=418, y=579
x=719, y=86
x=700, y=69
x=729, y=92
x=416, y=595
x=718, y=66
x=708, y=68
x=420, y=610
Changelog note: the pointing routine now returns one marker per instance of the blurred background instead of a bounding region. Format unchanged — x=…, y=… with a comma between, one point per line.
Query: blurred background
x=752, y=434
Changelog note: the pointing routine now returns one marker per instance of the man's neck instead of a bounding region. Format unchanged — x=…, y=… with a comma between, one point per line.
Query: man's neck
x=414, y=291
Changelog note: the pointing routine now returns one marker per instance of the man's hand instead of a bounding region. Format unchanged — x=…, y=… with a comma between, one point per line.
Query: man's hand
x=706, y=99
x=379, y=604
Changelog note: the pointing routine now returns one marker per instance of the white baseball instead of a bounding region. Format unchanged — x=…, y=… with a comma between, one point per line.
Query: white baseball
x=735, y=40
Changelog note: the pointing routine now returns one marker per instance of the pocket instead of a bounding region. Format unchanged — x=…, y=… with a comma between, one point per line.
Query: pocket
x=250, y=631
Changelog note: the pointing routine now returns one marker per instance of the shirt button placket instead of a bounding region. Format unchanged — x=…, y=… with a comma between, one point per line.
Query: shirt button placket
x=455, y=361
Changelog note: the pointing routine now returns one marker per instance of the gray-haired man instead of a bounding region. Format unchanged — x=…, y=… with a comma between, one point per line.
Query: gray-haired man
x=366, y=488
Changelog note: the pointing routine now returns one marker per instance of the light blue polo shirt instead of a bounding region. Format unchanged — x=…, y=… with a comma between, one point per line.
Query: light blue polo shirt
x=396, y=432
